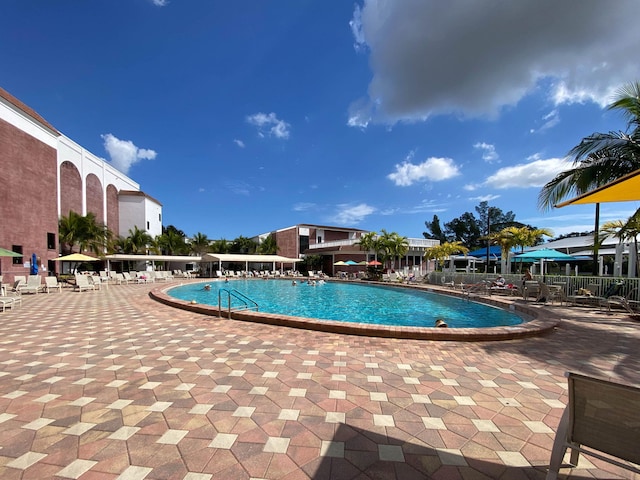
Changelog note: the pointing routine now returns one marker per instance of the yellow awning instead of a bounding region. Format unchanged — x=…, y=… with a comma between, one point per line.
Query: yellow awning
x=624, y=189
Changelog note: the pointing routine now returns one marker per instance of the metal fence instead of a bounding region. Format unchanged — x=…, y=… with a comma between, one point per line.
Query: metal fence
x=570, y=283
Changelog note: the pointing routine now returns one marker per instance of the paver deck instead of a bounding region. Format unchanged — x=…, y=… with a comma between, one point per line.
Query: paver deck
x=111, y=384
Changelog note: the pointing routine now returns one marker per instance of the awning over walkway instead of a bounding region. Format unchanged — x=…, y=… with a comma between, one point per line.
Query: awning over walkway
x=152, y=258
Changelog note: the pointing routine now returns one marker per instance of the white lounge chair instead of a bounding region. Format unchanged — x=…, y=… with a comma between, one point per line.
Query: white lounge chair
x=82, y=283
x=33, y=285
x=51, y=283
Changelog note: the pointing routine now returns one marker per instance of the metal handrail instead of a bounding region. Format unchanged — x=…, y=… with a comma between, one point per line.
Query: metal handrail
x=248, y=304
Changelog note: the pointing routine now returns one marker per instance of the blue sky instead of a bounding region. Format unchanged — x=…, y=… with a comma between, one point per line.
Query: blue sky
x=247, y=116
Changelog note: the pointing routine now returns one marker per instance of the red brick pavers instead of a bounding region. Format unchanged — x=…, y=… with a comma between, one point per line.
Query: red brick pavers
x=110, y=384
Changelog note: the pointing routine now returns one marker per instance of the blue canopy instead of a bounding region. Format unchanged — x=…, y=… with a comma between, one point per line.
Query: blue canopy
x=544, y=254
x=495, y=251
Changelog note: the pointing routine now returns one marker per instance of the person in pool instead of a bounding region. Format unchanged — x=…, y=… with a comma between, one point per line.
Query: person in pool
x=207, y=287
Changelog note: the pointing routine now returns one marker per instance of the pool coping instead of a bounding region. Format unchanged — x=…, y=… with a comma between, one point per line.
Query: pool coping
x=542, y=320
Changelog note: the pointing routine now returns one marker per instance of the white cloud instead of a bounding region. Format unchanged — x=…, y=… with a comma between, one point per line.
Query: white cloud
x=484, y=198
x=124, y=154
x=160, y=3
x=534, y=174
x=550, y=120
x=431, y=57
x=349, y=214
x=489, y=153
x=303, y=207
x=269, y=124
x=433, y=169
x=239, y=188
x=239, y=143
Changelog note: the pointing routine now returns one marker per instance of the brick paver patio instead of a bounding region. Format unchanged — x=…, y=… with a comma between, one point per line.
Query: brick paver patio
x=111, y=384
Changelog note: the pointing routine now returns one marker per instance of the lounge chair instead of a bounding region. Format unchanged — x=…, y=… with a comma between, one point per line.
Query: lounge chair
x=627, y=302
x=51, y=283
x=82, y=283
x=120, y=279
x=590, y=297
x=96, y=281
x=601, y=417
x=33, y=285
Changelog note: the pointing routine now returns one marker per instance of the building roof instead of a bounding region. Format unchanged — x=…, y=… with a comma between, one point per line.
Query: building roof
x=137, y=193
x=322, y=227
x=26, y=110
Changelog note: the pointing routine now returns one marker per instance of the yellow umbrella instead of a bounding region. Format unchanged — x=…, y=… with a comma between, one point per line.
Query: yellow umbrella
x=76, y=257
x=624, y=189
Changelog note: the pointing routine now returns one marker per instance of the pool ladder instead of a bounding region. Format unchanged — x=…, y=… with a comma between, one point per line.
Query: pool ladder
x=247, y=303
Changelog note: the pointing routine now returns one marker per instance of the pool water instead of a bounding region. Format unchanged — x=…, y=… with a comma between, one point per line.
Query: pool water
x=350, y=302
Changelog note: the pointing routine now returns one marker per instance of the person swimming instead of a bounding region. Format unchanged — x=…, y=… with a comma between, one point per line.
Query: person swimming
x=207, y=287
x=440, y=323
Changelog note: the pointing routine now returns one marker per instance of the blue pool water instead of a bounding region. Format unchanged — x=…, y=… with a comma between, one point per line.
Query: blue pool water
x=349, y=302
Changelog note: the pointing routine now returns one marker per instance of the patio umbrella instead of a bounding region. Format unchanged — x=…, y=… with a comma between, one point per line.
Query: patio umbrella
x=624, y=189
x=340, y=263
x=374, y=263
x=8, y=253
x=364, y=262
x=350, y=262
x=34, y=264
x=544, y=254
x=76, y=257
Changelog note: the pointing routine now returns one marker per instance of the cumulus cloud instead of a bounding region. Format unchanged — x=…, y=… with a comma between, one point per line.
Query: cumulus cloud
x=124, y=154
x=432, y=169
x=349, y=214
x=269, y=125
x=536, y=173
x=489, y=153
x=431, y=57
x=304, y=206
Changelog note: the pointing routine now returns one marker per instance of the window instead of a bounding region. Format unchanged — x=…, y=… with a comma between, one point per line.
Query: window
x=319, y=240
x=147, y=226
x=17, y=249
x=160, y=217
x=51, y=241
x=304, y=243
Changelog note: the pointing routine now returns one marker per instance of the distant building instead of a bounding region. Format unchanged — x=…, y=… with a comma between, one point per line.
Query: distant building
x=335, y=244
x=44, y=175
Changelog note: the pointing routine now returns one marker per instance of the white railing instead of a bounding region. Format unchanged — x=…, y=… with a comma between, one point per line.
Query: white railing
x=413, y=243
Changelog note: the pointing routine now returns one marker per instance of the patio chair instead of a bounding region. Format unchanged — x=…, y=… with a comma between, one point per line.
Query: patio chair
x=51, y=283
x=82, y=283
x=96, y=281
x=34, y=285
x=602, y=417
x=18, y=281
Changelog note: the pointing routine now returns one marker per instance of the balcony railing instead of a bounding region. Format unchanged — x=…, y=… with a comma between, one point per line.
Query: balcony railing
x=414, y=243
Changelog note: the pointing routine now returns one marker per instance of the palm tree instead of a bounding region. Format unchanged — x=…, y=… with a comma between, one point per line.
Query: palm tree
x=392, y=245
x=85, y=232
x=504, y=238
x=220, y=246
x=139, y=240
x=368, y=242
x=628, y=230
x=600, y=158
x=200, y=243
x=444, y=250
x=527, y=237
x=268, y=246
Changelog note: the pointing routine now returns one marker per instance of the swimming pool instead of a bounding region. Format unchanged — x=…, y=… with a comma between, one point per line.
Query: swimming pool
x=351, y=302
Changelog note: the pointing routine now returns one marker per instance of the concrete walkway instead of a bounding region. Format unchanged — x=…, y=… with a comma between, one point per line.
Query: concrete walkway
x=110, y=384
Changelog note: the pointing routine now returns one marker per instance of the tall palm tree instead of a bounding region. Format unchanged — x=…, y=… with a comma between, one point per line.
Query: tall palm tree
x=600, y=158
x=441, y=252
x=139, y=240
x=268, y=246
x=622, y=230
x=83, y=231
x=392, y=245
x=200, y=243
x=370, y=242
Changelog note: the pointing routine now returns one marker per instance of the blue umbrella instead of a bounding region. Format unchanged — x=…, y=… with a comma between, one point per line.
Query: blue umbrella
x=34, y=264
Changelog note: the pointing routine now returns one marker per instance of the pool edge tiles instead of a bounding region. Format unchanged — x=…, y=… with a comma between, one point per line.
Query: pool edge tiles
x=541, y=321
